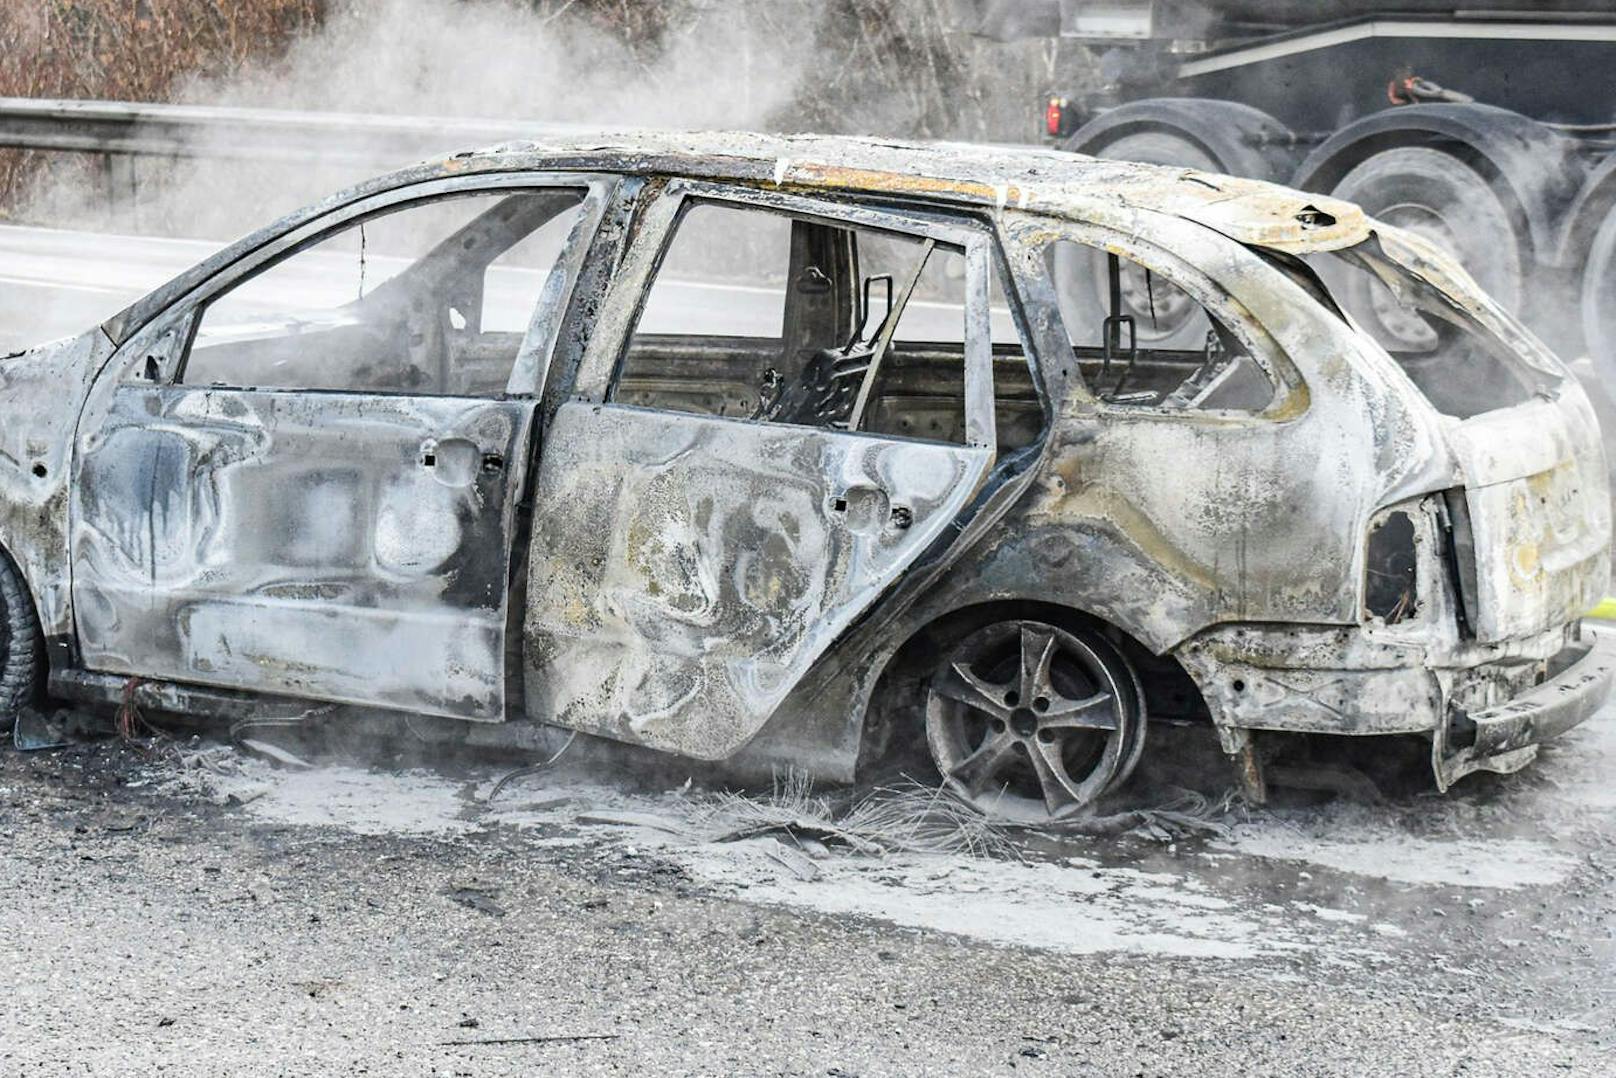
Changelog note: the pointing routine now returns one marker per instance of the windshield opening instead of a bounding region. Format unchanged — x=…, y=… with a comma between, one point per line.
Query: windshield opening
x=1466, y=361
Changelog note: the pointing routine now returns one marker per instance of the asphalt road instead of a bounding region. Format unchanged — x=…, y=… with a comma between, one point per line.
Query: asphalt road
x=198, y=912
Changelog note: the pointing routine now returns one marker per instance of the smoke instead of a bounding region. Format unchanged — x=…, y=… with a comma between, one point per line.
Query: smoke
x=494, y=58
x=897, y=67
x=487, y=59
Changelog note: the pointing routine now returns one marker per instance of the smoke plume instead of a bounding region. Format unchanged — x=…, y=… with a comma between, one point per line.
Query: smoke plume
x=895, y=67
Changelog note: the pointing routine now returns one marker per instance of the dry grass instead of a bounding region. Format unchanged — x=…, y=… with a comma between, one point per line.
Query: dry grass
x=130, y=50
x=901, y=67
x=135, y=49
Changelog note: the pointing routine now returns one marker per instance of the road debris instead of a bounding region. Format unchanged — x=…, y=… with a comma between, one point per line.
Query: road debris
x=532, y=769
x=795, y=861
x=35, y=731
x=274, y=752
x=476, y=896
x=910, y=819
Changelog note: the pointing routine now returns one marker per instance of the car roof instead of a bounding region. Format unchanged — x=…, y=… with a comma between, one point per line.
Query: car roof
x=997, y=176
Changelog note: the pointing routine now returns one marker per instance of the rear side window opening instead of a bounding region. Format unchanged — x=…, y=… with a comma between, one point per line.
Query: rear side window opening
x=1141, y=341
x=775, y=317
x=1462, y=365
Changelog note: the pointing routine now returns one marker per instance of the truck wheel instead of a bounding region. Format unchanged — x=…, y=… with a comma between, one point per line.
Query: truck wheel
x=1029, y=722
x=1191, y=132
x=21, y=654
x=1444, y=199
x=1159, y=148
x=1599, y=302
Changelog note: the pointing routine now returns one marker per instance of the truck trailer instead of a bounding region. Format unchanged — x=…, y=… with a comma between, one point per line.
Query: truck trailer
x=1488, y=127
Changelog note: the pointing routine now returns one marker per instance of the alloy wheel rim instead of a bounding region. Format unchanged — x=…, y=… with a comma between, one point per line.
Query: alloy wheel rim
x=1027, y=723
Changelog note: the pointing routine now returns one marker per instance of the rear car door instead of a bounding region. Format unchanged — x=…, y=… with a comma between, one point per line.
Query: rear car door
x=316, y=494
x=725, y=494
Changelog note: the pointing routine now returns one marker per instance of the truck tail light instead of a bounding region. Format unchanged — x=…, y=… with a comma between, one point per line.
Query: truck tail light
x=1055, y=117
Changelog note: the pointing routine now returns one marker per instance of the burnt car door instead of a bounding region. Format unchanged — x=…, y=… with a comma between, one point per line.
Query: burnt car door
x=723, y=495
x=303, y=478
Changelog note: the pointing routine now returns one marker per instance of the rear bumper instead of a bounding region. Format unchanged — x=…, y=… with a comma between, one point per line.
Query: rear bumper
x=1505, y=737
x=1484, y=708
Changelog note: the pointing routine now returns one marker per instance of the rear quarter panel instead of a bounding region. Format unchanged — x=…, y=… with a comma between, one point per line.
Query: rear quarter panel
x=1167, y=523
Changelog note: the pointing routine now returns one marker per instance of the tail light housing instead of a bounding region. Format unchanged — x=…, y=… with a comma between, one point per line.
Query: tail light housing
x=1391, y=591
x=1418, y=559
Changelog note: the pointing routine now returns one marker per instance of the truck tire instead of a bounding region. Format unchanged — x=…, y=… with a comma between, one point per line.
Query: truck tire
x=1160, y=148
x=1443, y=198
x=21, y=651
x=1599, y=302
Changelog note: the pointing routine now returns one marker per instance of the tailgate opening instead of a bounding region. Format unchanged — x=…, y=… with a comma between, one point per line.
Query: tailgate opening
x=1463, y=354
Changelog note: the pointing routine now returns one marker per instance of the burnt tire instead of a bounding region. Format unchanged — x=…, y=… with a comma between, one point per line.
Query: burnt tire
x=1444, y=198
x=22, y=652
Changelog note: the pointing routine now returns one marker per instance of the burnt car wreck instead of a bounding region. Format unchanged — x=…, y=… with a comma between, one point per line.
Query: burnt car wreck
x=805, y=450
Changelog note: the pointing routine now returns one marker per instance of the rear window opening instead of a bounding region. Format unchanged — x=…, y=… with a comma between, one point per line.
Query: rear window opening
x=1463, y=365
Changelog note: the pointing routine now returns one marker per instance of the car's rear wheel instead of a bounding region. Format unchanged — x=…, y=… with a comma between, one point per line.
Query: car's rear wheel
x=21, y=653
x=1031, y=722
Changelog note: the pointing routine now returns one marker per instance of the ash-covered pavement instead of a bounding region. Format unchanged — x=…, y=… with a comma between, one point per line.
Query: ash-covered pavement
x=200, y=911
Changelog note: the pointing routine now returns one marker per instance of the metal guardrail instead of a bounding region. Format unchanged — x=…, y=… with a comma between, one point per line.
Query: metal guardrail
x=139, y=129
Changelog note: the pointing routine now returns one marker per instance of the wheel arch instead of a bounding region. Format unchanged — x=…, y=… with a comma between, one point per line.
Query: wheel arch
x=24, y=554
x=1535, y=170
x=1166, y=684
x=21, y=679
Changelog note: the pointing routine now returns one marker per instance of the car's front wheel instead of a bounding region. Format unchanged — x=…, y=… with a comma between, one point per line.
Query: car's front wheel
x=22, y=656
x=1031, y=722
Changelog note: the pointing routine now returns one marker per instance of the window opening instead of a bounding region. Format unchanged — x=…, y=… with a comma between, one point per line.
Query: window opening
x=431, y=298
x=1464, y=362
x=1140, y=340
x=759, y=315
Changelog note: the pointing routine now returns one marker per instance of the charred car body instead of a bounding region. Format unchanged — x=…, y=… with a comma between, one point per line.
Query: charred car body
x=797, y=450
